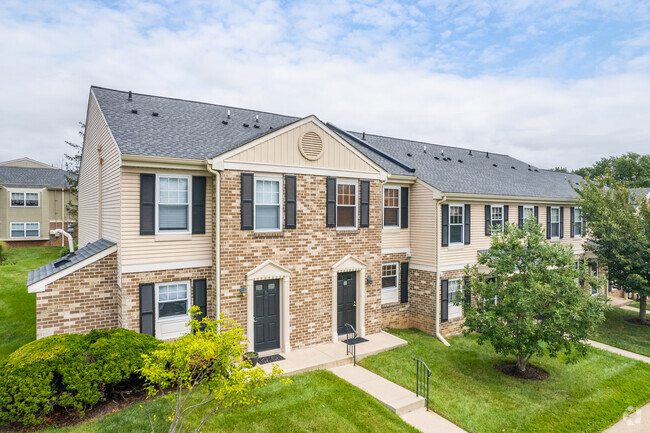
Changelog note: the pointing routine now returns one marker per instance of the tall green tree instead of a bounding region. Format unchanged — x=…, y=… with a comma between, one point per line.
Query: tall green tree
x=631, y=167
x=530, y=301
x=72, y=164
x=618, y=224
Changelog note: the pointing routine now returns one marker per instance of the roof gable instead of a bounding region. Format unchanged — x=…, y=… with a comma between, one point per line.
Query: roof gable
x=25, y=162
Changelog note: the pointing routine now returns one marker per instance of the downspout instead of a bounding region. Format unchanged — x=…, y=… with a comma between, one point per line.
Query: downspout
x=99, y=193
x=437, y=289
x=217, y=229
x=62, y=212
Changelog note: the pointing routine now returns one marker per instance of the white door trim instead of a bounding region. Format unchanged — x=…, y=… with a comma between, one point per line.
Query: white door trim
x=350, y=263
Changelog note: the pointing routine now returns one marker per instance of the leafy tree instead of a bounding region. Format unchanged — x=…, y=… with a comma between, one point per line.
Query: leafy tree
x=210, y=357
x=561, y=169
x=631, y=167
x=72, y=163
x=618, y=224
x=529, y=302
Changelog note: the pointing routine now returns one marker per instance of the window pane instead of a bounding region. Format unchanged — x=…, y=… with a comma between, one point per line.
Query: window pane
x=174, y=308
x=389, y=275
x=267, y=217
x=390, y=216
x=455, y=234
x=267, y=192
x=497, y=213
x=173, y=190
x=346, y=194
x=17, y=230
x=455, y=215
x=17, y=199
x=31, y=230
x=31, y=199
x=555, y=214
x=555, y=230
x=345, y=216
x=391, y=197
x=172, y=217
x=528, y=213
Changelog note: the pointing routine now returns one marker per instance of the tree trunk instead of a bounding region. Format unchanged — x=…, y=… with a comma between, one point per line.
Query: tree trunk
x=643, y=300
x=522, y=362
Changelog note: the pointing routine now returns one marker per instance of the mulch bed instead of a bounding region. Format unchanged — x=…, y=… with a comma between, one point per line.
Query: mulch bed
x=636, y=321
x=531, y=372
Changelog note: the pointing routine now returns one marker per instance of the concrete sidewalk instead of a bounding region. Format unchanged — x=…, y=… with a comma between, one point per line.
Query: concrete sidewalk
x=628, y=308
x=401, y=401
x=618, y=351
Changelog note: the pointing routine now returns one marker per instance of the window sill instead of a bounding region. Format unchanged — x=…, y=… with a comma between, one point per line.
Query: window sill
x=391, y=303
x=169, y=237
x=278, y=234
x=345, y=232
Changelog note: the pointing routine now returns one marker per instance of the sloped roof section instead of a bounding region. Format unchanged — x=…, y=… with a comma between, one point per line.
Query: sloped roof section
x=67, y=261
x=32, y=177
x=180, y=128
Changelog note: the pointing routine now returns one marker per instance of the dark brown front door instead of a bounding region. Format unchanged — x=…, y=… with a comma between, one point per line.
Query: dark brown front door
x=346, y=300
x=267, y=315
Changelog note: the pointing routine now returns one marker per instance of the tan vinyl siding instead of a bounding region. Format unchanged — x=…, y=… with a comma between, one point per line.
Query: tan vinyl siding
x=110, y=167
x=396, y=238
x=140, y=250
x=422, y=225
x=283, y=150
x=96, y=133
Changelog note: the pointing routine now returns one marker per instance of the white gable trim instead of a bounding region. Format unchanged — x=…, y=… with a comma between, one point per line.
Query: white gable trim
x=348, y=263
x=41, y=285
x=267, y=271
x=217, y=162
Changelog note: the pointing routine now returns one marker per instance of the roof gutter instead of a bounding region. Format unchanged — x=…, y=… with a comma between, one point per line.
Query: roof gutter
x=371, y=147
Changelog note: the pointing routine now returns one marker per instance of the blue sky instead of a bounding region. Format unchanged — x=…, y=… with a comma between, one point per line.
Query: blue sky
x=552, y=83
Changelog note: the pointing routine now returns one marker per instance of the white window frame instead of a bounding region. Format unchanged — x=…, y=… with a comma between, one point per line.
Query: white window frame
x=532, y=212
x=356, y=203
x=502, y=220
x=559, y=217
x=581, y=222
x=462, y=225
x=24, y=194
x=383, y=204
x=390, y=295
x=457, y=309
x=277, y=179
x=189, y=203
x=24, y=236
x=183, y=317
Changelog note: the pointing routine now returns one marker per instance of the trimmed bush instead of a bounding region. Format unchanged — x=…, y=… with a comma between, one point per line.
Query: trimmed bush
x=71, y=371
x=3, y=251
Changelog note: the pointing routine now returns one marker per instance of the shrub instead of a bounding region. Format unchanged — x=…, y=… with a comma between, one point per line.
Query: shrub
x=71, y=371
x=3, y=251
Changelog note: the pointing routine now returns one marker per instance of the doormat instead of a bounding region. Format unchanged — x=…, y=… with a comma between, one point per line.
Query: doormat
x=270, y=358
x=355, y=340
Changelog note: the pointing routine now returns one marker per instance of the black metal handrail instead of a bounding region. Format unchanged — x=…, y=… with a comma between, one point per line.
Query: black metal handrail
x=351, y=343
x=422, y=380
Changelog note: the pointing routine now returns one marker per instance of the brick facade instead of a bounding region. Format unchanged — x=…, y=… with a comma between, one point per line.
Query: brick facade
x=81, y=301
x=308, y=252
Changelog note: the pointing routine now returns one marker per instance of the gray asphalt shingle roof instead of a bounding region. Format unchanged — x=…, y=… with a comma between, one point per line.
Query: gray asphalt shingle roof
x=27, y=176
x=194, y=130
x=69, y=260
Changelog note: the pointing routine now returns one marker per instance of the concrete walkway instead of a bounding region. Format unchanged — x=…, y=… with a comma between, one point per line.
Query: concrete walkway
x=618, y=351
x=401, y=401
x=628, y=308
x=331, y=355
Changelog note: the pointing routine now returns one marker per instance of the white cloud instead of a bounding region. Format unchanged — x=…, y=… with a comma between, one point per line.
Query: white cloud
x=297, y=62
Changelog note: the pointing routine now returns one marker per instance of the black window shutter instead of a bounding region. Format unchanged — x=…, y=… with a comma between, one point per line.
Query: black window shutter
x=521, y=217
x=198, y=205
x=200, y=296
x=147, y=204
x=444, y=300
x=445, y=225
x=289, y=202
x=548, y=222
x=561, y=222
x=365, y=204
x=147, y=309
x=331, y=202
x=467, y=291
x=506, y=212
x=404, y=282
x=468, y=218
x=404, y=204
x=536, y=213
x=247, y=194
x=572, y=230
x=488, y=219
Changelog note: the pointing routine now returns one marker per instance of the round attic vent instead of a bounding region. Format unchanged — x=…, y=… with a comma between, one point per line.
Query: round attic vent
x=311, y=146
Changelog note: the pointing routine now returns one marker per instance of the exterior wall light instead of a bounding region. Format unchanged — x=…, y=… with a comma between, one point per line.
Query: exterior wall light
x=242, y=290
x=369, y=279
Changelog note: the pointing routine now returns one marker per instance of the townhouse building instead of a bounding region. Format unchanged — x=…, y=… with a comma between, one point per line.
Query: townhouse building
x=291, y=226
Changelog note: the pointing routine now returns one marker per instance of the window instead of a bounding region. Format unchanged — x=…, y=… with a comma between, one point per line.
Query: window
x=174, y=210
x=346, y=204
x=172, y=300
x=267, y=204
x=555, y=222
x=497, y=216
x=391, y=206
x=455, y=224
x=25, y=199
x=455, y=292
x=389, y=283
x=578, y=224
x=25, y=230
x=529, y=213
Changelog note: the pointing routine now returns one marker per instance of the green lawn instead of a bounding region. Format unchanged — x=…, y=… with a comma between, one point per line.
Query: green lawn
x=618, y=333
x=17, y=307
x=315, y=402
x=585, y=397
